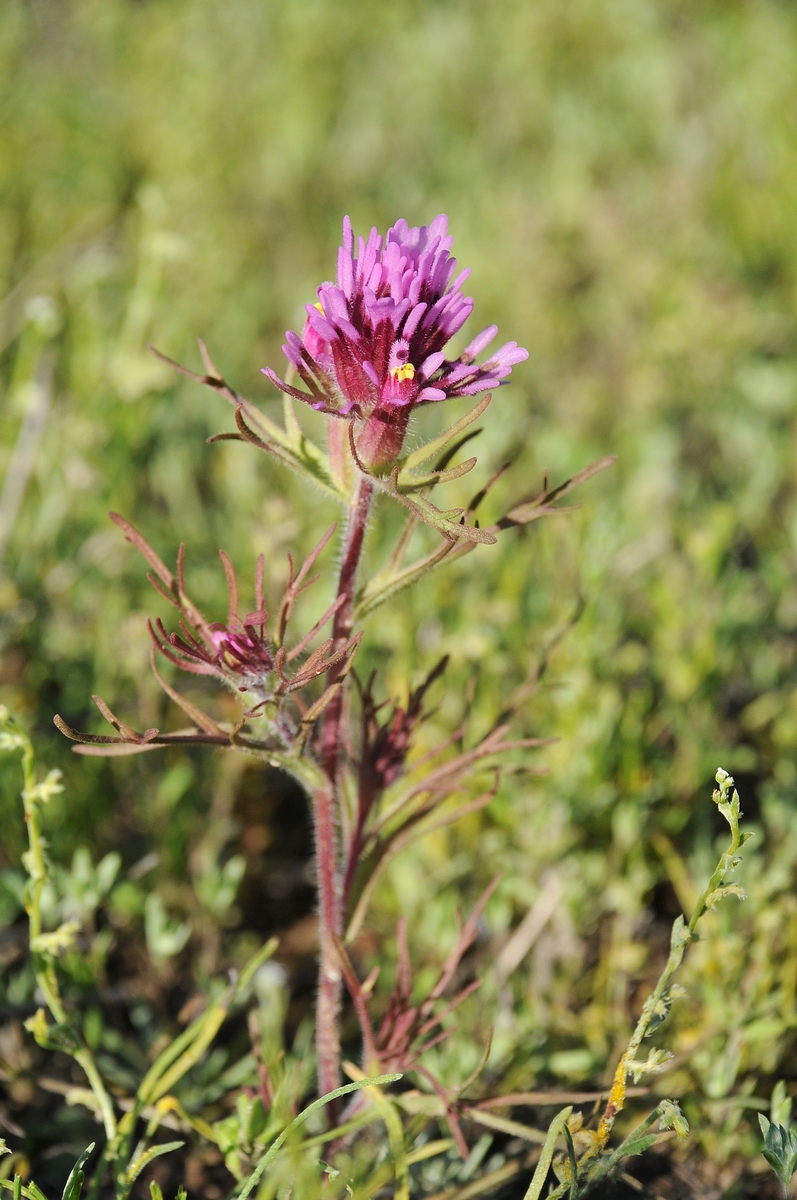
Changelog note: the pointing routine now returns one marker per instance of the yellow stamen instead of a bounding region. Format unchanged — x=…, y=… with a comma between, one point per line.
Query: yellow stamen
x=402, y=373
x=319, y=306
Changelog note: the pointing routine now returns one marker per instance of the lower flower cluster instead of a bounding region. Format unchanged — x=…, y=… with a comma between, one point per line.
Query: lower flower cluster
x=240, y=653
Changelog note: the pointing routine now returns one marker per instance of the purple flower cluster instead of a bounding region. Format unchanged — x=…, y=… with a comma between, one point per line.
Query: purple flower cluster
x=238, y=652
x=245, y=651
x=373, y=346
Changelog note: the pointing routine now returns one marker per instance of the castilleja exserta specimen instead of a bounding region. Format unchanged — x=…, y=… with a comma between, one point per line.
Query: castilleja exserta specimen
x=373, y=347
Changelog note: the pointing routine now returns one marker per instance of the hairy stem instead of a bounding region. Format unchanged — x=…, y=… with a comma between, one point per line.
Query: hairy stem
x=344, y=617
x=325, y=810
x=330, y=922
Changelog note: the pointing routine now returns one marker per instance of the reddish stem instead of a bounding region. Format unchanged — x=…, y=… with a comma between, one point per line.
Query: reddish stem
x=330, y=924
x=341, y=629
x=325, y=814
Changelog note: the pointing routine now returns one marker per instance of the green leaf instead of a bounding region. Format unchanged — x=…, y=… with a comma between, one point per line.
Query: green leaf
x=271, y=1153
x=780, y=1105
x=74, y=1184
x=448, y=523
x=780, y=1149
x=292, y=448
x=384, y=587
x=409, y=483
x=135, y=1169
x=546, y=1158
x=424, y=453
x=186, y=1050
x=637, y=1145
x=255, y=963
x=165, y=937
x=571, y=1155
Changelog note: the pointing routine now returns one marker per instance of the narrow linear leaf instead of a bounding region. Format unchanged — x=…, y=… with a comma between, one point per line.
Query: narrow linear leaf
x=170, y=1054
x=190, y=1057
x=19, y=1189
x=448, y=523
x=304, y=457
x=384, y=586
x=74, y=1184
x=423, y=453
x=254, y=965
x=546, y=1158
x=135, y=1169
x=201, y=719
x=637, y=1146
x=395, y=1130
x=504, y=1125
x=571, y=1155
x=409, y=482
x=276, y=1145
x=145, y=550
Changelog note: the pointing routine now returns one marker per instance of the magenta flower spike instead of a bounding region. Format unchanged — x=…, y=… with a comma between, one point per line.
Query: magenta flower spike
x=373, y=347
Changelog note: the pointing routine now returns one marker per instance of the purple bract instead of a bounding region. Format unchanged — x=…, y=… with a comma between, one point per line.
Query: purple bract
x=238, y=652
x=373, y=346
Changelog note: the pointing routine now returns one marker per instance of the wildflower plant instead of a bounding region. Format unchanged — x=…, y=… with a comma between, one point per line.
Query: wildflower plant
x=374, y=348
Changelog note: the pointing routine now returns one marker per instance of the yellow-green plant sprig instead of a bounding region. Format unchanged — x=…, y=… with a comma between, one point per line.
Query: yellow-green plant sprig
x=45, y=947
x=593, y=1164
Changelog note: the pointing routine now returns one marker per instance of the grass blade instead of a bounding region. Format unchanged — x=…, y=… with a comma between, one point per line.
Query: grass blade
x=276, y=1145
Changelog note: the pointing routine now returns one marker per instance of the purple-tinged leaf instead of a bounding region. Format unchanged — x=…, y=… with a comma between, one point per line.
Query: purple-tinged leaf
x=144, y=548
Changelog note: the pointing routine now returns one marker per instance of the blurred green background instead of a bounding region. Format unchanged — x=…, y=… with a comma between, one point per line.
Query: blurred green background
x=622, y=178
